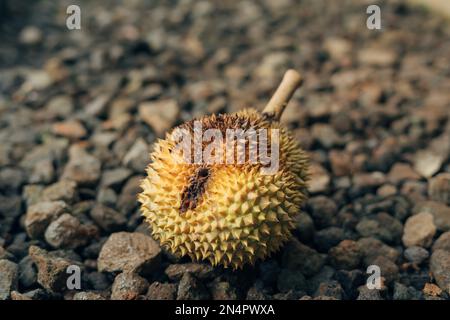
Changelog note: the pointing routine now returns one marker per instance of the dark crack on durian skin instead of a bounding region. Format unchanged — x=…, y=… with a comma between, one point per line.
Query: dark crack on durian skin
x=195, y=189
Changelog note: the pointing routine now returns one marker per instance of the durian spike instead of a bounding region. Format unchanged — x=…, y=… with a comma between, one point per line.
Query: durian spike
x=292, y=80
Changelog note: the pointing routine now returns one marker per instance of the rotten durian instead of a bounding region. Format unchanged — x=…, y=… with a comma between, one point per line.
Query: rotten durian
x=230, y=213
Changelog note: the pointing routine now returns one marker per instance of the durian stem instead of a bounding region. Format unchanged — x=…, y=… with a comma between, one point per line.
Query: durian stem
x=292, y=80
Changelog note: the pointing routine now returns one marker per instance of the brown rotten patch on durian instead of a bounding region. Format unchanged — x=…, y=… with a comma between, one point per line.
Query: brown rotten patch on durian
x=229, y=214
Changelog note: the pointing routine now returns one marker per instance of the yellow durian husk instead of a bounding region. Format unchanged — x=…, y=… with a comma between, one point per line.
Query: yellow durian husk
x=242, y=216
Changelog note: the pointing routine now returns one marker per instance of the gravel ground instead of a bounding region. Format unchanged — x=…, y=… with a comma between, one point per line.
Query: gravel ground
x=81, y=109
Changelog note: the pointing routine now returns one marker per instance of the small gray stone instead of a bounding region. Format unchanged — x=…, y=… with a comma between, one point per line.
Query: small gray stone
x=98, y=281
x=439, y=188
x=40, y=215
x=380, y=57
x=323, y=211
x=389, y=270
x=416, y=254
x=419, y=230
x=319, y=179
x=129, y=252
x=304, y=227
x=98, y=105
x=36, y=294
x=52, y=268
x=162, y=291
x=368, y=294
x=199, y=270
x=82, y=167
x=107, y=197
x=127, y=198
x=367, y=181
x=427, y=162
x=443, y=242
x=11, y=179
x=440, y=268
x=27, y=272
x=19, y=296
x=190, y=288
x=222, y=290
x=53, y=150
x=382, y=226
x=114, y=177
x=325, y=274
x=10, y=209
x=401, y=172
x=400, y=292
x=87, y=295
x=32, y=194
x=159, y=115
x=43, y=172
x=371, y=248
x=19, y=247
x=60, y=106
x=330, y=289
x=350, y=281
x=71, y=129
x=128, y=286
x=30, y=35
x=64, y=190
x=5, y=254
x=328, y=237
x=10, y=206
x=297, y=256
x=255, y=293
x=347, y=255
x=68, y=232
x=108, y=219
x=137, y=157
x=8, y=278
x=325, y=135
x=440, y=212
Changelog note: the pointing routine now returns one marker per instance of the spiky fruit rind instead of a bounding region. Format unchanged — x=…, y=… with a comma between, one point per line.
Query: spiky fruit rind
x=242, y=215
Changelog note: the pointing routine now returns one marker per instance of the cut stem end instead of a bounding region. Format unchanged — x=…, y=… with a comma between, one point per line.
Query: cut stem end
x=292, y=80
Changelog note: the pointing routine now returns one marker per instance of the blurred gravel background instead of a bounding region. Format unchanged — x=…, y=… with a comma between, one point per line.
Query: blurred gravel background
x=79, y=111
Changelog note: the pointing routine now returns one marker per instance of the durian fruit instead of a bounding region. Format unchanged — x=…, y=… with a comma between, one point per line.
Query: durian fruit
x=229, y=214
